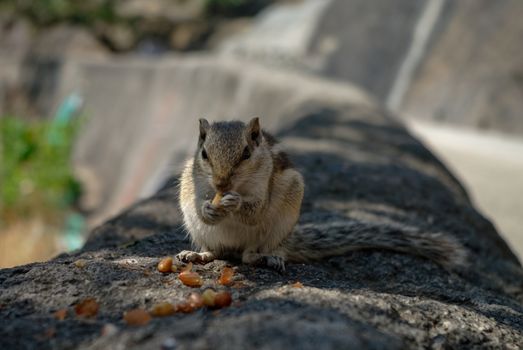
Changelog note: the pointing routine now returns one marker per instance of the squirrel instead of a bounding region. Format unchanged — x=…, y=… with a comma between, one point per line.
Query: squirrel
x=257, y=200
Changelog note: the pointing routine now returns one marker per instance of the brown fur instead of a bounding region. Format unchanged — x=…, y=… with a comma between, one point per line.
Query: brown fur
x=261, y=202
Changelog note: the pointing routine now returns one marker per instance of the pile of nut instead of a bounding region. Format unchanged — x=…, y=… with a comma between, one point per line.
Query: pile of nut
x=209, y=298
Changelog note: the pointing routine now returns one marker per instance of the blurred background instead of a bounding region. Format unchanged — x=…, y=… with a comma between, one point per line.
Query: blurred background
x=99, y=98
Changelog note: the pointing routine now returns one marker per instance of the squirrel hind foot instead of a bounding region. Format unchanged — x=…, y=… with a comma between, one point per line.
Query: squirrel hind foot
x=276, y=263
x=273, y=262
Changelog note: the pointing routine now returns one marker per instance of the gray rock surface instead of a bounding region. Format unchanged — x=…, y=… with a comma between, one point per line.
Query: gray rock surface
x=370, y=40
x=440, y=60
x=35, y=66
x=15, y=42
x=361, y=41
x=48, y=64
x=158, y=9
x=280, y=35
x=360, y=165
x=473, y=72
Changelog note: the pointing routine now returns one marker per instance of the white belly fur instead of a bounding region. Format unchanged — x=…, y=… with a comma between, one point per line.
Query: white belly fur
x=233, y=235
x=275, y=224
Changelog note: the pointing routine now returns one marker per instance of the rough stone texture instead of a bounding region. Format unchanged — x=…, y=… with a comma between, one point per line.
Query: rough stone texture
x=473, y=74
x=159, y=9
x=369, y=41
x=470, y=74
x=48, y=63
x=279, y=36
x=15, y=41
x=360, y=41
x=360, y=165
x=468, y=70
x=35, y=67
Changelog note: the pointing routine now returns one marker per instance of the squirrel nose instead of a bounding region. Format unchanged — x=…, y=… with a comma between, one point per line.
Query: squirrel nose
x=222, y=184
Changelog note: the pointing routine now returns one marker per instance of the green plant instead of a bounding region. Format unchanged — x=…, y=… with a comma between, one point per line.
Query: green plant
x=35, y=173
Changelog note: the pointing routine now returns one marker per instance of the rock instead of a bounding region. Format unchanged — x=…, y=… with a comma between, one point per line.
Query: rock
x=365, y=42
x=48, y=64
x=120, y=37
x=37, y=68
x=455, y=62
x=473, y=72
x=361, y=166
x=174, y=11
x=280, y=35
x=62, y=41
x=16, y=38
x=359, y=41
x=224, y=30
x=159, y=26
x=188, y=35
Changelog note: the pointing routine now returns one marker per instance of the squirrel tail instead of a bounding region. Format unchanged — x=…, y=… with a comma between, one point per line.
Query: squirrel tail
x=314, y=242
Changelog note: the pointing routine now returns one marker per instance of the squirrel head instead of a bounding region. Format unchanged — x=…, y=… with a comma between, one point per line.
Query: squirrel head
x=229, y=152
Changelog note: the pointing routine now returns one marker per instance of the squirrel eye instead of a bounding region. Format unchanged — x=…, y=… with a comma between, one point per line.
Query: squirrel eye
x=246, y=153
x=204, y=154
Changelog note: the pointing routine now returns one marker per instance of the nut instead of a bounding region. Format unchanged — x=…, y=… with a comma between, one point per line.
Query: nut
x=217, y=198
x=165, y=265
x=137, y=317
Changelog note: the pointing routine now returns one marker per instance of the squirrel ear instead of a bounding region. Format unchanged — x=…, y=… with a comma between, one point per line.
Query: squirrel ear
x=253, y=131
x=204, y=126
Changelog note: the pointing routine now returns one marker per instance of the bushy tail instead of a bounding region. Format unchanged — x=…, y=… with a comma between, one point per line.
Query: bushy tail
x=318, y=241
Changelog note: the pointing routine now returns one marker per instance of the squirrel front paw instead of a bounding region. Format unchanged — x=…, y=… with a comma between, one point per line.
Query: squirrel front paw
x=212, y=214
x=190, y=256
x=231, y=201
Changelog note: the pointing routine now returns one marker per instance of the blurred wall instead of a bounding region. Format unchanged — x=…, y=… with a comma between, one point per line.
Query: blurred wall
x=473, y=72
x=458, y=62
x=142, y=116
